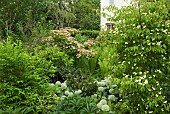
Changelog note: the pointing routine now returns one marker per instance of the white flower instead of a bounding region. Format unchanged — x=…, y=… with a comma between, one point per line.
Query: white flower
x=111, y=90
x=146, y=81
x=67, y=92
x=165, y=102
x=103, y=101
x=105, y=108
x=103, y=97
x=100, y=83
x=78, y=92
x=70, y=94
x=63, y=97
x=63, y=86
x=106, y=81
x=150, y=112
x=99, y=105
x=140, y=73
x=112, y=97
x=58, y=83
x=94, y=96
x=101, y=89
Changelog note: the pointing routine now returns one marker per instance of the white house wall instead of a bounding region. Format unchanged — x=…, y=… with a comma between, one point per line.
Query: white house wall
x=106, y=3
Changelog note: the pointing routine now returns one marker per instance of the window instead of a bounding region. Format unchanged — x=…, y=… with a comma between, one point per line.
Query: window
x=111, y=1
x=110, y=26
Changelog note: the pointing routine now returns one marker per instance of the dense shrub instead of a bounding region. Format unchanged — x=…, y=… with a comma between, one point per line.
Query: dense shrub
x=89, y=33
x=23, y=82
x=141, y=39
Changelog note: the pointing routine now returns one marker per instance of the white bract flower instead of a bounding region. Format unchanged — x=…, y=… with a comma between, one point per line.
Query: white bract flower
x=78, y=92
x=63, y=86
x=150, y=112
x=146, y=81
x=105, y=108
x=101, y=89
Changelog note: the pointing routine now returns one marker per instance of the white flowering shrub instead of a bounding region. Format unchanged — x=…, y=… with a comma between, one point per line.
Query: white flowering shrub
x=142, y=43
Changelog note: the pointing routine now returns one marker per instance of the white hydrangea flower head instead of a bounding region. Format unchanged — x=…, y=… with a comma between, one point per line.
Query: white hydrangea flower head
x=99, y=105
x=63, y=86
x=103, y=101
x=58, y=83
x=101, y=89
x=105, y=108
x=112, y=97
x=66, y=92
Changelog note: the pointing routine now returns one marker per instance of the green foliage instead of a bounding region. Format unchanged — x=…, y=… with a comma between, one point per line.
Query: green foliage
x=55, y=62
x=77, y=80
x=21, y=17
x=76, y=105
x=23, y=80
x=89, y=33
x=142, y=42
x=81, y=38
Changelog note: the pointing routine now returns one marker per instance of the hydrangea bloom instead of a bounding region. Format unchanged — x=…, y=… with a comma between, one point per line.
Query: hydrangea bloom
x=101, y=89
x=58, y=83
x=99, y=105
x=63, y=86
x=112, y=97
x=67, y=92
x=105, y=108
x=103, y=101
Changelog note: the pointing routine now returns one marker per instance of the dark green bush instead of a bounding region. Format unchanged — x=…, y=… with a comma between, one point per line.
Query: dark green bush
x=22, y=80
x=89, y=33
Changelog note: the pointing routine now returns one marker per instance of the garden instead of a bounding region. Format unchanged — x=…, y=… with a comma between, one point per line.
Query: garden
x=54, y=61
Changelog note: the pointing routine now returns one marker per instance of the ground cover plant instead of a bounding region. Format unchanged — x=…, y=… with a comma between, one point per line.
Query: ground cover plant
x=74, y=71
